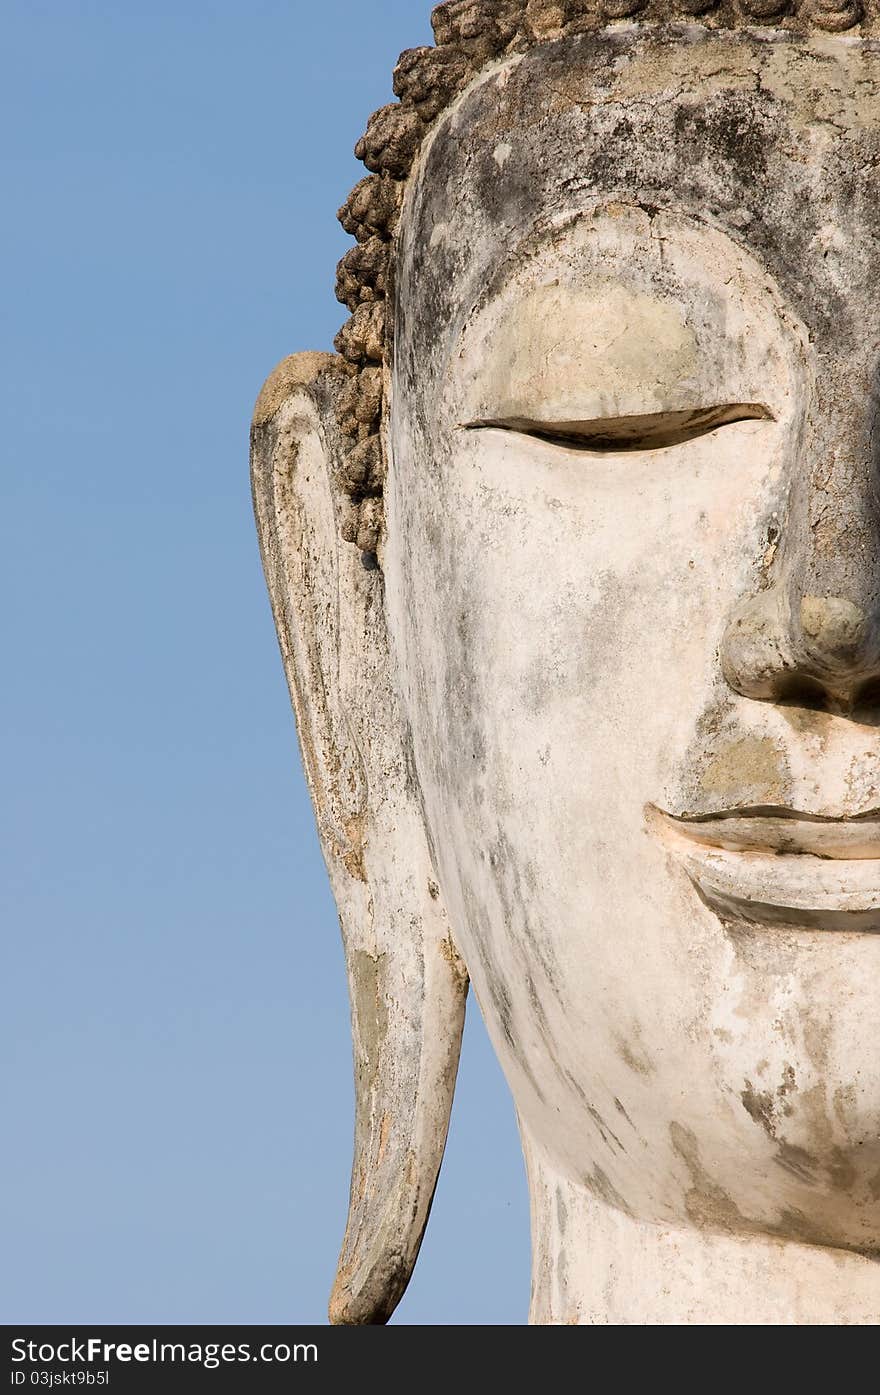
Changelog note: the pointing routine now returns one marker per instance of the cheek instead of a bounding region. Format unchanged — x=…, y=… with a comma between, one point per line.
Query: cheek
x=558, y=642
x=579, y=600
x=575, y=608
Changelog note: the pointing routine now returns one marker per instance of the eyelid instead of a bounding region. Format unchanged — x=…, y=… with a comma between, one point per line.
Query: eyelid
x=648, y=431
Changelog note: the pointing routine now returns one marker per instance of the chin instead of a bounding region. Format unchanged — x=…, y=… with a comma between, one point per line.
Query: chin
x=697, y=1071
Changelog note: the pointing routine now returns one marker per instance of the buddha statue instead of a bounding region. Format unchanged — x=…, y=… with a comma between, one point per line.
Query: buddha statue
x=574, y=554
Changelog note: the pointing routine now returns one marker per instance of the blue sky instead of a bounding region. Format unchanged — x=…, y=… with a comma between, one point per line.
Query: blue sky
x=176, y=1059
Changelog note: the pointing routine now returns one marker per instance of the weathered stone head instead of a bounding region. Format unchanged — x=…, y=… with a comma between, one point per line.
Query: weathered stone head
x=589, y=698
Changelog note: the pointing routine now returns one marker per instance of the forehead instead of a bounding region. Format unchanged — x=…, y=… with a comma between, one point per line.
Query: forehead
x=772, y=139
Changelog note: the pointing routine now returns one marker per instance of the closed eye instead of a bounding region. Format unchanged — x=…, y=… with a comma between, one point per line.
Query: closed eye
x=652, y=431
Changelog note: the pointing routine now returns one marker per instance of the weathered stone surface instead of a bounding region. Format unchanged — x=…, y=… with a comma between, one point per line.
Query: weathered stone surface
x=407, y=983
x=471, y=34
x=392, y=138
x=362, y=274
x=609, y=680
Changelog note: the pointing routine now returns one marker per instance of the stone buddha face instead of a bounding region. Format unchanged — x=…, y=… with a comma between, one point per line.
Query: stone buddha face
x=629, y=585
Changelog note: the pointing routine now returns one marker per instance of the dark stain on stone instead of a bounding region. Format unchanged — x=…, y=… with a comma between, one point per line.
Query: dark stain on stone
x=607, y=1135
x=759, y=1104
x=370, y=1011
x=599, y=1184
x=794, y=1225
x=604, y=1131
x=765, y=1106
x=633, y=1056
x=796, y=1161
x=620, y=1109
x=561, y=1211
x=707, y=1203
x=537, y=1007
x=562, y=1271
x=842, y=1173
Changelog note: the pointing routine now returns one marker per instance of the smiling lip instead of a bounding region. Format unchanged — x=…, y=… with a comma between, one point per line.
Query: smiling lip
x=776, y=866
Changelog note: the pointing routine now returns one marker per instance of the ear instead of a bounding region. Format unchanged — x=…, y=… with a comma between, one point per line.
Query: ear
x=406, y=981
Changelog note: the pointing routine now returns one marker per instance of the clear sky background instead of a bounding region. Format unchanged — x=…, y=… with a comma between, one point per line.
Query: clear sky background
x=176, y=1056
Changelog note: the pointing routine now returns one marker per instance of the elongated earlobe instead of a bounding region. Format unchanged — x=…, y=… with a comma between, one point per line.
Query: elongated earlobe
x=406, y=981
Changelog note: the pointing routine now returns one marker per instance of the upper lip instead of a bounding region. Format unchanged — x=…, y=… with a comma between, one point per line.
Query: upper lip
x=776, y=829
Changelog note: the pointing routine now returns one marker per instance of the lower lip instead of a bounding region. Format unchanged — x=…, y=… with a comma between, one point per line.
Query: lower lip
x=786, y=889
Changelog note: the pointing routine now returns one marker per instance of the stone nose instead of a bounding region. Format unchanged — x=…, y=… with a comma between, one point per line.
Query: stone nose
x=783, y=647
x=812, y=634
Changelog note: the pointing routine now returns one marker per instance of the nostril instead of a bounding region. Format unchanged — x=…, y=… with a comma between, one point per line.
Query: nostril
x=818, y=652
x=866, y=706
x=798, y=690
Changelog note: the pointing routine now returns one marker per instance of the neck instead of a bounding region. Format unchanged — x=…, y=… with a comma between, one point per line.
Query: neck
x=593, y=1264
